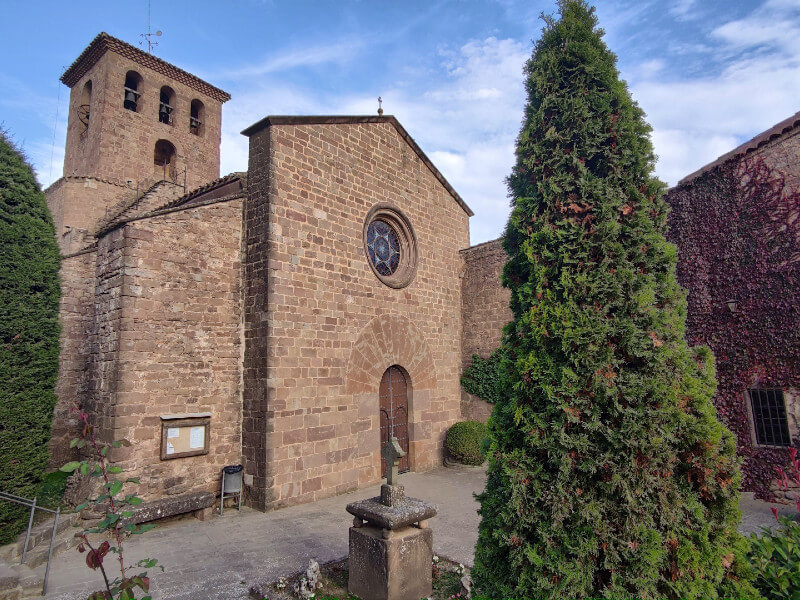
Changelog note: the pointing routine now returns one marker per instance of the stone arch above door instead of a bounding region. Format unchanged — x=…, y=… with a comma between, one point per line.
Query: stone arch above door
x=392, y=340
x=385, y=341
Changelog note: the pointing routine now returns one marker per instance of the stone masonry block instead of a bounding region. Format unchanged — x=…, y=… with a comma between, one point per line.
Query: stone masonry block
x=397, y=567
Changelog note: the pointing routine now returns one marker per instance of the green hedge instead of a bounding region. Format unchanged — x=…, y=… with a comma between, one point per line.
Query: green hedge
x=487, y=378
x=465, y=442
x=775, y=556
x=29, y=332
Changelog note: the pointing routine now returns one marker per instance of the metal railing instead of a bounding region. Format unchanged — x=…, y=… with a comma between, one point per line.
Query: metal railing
x=34, y=507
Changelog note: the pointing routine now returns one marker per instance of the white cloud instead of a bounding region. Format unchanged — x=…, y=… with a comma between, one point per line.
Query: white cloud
x=340, y=52
x=682, y=9
x=465, y=115
x=46, y=153
x=696, y=120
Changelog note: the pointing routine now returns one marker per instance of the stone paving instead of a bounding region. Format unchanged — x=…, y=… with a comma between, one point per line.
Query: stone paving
x=221, y=558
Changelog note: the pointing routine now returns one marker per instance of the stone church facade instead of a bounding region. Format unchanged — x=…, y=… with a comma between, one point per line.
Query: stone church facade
x=288, y=318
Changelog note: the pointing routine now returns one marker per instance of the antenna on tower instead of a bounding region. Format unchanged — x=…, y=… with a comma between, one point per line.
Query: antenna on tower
x=149, y=36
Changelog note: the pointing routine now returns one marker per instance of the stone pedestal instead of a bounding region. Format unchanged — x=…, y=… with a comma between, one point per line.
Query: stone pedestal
x=391, y=553
x=397, y=567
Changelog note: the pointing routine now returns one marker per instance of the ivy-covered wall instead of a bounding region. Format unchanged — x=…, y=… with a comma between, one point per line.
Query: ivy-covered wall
x=738, y=235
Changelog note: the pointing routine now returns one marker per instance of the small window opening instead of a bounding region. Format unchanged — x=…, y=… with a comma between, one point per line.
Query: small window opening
x=769, y=417
x=165, y=105
x=164, y=160
x=133, y=92
x=84, y=106
x=196, y=116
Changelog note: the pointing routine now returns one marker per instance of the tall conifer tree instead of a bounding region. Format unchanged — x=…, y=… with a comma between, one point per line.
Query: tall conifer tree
x=609, y=474
x=29, y=332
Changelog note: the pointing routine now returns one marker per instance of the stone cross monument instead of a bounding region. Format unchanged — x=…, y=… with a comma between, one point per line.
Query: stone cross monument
x=390, y=554
x=392, y=452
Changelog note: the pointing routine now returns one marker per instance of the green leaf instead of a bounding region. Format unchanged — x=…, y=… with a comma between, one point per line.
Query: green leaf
x=114, y=470
x=114, y=487
x=144, y=528
x=70, y=466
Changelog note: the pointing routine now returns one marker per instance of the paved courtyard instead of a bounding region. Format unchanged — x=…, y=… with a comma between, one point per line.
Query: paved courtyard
x=223, y=557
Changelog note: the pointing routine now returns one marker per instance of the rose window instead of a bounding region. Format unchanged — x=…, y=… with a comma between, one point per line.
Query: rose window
x=390, y=246
x=383, y=247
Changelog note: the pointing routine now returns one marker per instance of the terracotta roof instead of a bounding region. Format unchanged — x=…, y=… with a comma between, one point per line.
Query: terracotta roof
x=349, y=120
x=779, y=130
x=104, y=42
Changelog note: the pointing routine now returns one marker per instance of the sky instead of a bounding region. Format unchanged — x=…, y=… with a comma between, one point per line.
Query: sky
x=710, y=74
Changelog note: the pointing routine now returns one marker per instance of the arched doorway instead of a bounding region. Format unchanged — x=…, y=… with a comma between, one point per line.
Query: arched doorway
x=393, y=396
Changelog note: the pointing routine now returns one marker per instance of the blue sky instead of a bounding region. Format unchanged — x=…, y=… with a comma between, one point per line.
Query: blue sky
x=710, y=74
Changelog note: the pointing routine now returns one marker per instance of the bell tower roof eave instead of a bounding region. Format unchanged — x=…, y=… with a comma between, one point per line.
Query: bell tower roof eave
x=105, y=42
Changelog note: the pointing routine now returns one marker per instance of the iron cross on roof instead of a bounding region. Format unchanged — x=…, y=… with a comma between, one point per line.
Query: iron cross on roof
x=392, y=452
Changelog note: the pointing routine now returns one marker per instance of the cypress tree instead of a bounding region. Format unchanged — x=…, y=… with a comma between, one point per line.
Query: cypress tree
x=609, y=474
x=29, y=333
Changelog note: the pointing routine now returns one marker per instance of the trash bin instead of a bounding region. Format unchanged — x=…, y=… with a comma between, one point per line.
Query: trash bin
x=231, y=485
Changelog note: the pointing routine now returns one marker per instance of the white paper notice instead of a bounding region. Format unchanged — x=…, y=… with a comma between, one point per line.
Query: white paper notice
x=172, y=432
x=197, y=437
x=170, y=448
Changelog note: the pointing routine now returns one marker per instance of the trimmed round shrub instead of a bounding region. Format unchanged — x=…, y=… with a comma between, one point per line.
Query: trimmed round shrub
x=465, y=442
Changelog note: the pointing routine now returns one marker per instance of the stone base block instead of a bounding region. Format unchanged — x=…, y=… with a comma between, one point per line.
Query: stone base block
x=204, y=514
x=397, y=567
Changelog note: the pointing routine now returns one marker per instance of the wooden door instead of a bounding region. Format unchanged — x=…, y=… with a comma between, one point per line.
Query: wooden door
x=394, y=413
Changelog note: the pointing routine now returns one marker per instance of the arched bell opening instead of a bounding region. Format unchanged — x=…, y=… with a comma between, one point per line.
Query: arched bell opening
x=164, y=160
x=132, y=91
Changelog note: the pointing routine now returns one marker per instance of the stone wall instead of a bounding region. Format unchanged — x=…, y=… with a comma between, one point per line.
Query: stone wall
x=257, y=430
x=782, y=153
x=485, y=312
x=333, y=327
x=75, y=312
x=168, y=326
x=78, y=205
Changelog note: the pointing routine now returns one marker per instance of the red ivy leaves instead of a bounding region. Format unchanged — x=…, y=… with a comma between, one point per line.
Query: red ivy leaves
x=737, y=231
x=95, y=557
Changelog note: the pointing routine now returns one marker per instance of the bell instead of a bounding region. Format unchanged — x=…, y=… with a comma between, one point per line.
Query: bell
x=130, y=96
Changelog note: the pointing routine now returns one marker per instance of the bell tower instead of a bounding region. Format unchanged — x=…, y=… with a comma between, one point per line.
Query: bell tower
x=134, y=120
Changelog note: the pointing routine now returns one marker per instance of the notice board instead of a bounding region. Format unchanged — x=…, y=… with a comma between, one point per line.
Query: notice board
x=184, y=436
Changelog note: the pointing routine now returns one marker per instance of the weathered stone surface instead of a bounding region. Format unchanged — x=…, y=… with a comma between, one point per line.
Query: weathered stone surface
x=392, y=494
x=484, y=312
x=397, y=568
x=402, y=514
x=320, y=328
x=169, y=507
